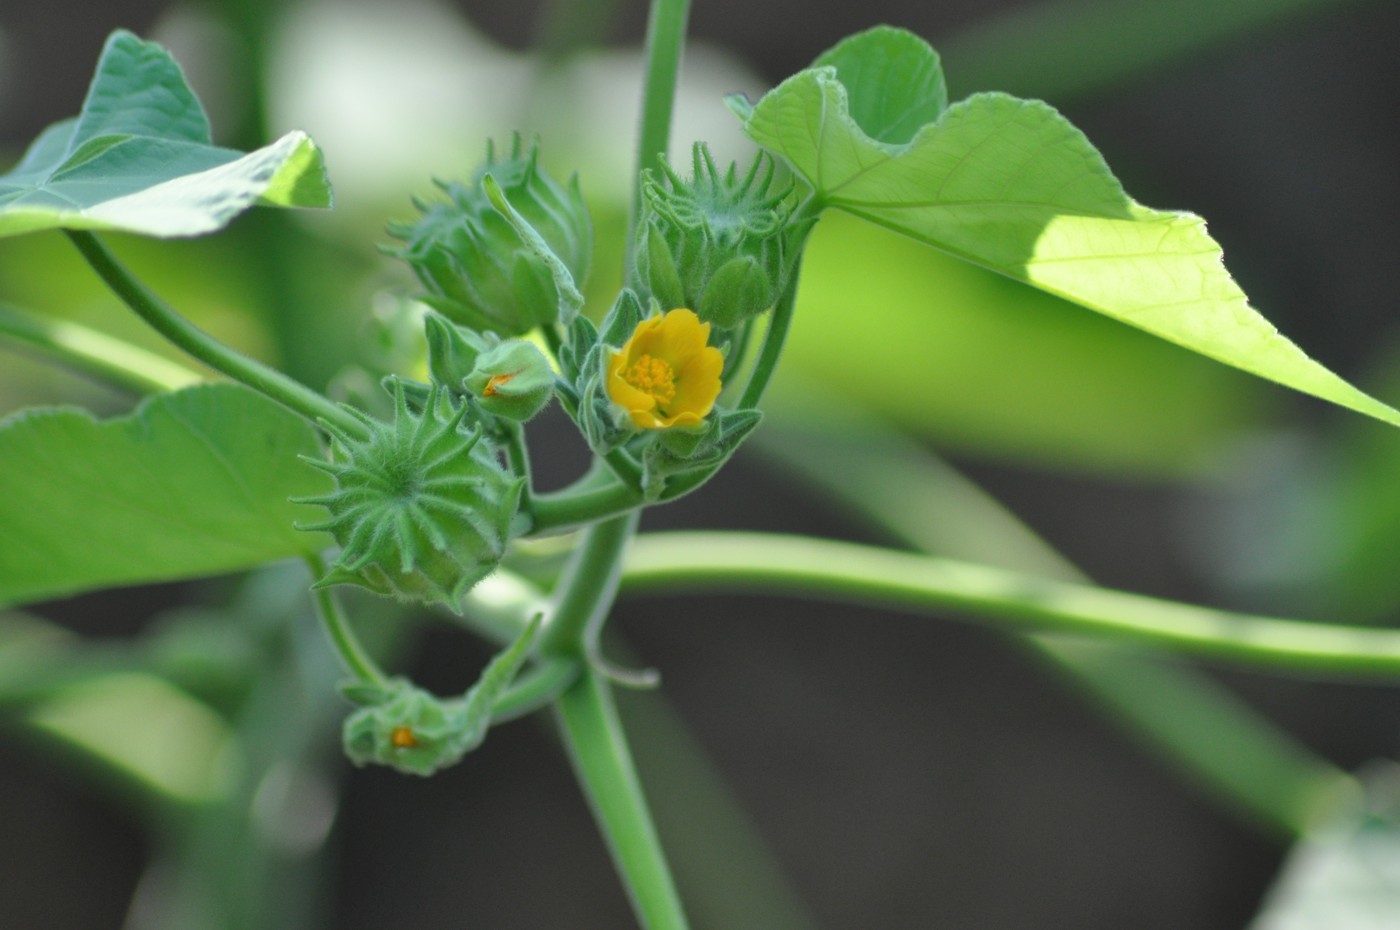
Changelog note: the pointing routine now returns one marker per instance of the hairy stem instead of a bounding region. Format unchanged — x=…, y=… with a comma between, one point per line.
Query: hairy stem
x=165, y=320
x=338, y=630
x=666, y=26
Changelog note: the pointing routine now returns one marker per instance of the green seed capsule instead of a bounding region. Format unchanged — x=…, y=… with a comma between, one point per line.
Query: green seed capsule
x=421, y=510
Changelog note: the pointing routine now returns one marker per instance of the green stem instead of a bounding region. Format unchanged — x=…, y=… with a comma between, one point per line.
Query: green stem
x=338, y=630
x=666, y=24
x=1177, y=712
x=778, y=324
x=518, y=456
x=165, y=320
x=536, y=689
x=603, y=764
x=870, y=575
x=96, y=355
x=588, y=588
x=773, y=341
x=564, y=510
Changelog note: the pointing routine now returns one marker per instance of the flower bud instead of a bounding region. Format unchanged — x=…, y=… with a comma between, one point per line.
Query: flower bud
x=716, y=244
x=504, y=267
x=513, y=380
x=407, y=729
x=400, y=725
x=421, y=510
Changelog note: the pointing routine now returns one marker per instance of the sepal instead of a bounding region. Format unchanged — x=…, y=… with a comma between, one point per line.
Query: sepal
x=678, y=461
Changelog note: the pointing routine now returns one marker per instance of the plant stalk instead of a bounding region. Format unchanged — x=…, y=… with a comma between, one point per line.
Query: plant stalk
x=603, y=763
x=872, y=575
x=165, y=320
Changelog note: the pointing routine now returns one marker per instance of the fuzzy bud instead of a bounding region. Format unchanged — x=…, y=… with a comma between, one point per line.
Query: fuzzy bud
x=504, y=263
x=717, y=243
x=512, y=380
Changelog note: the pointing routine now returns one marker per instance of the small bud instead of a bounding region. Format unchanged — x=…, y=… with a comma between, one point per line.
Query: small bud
x=504, y=266
x=716, y=243
x=421, y=510
x=402, y=726
x=513, y=380
x=409, y=730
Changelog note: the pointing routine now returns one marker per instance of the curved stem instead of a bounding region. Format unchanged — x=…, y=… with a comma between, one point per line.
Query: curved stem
x=95, y=354
x=338, y=630
x=535, y=689
x=867, y=574
x=563, y=510
x=603, y=763
x=165, y=320
x=518, y=457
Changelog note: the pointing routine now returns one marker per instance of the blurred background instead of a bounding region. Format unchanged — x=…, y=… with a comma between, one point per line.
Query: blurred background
x=881, y=770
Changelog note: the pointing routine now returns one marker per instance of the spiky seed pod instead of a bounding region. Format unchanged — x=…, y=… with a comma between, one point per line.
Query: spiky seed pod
x=717, y=243
x=421, y=509
x=476, y=266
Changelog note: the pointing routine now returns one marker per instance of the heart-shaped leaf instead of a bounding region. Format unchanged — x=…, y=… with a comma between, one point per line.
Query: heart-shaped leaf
x=192, y=483
x=139, y=159
x=1011, y=185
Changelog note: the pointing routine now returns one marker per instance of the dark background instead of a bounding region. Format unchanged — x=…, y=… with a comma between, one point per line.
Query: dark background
x=905, y=774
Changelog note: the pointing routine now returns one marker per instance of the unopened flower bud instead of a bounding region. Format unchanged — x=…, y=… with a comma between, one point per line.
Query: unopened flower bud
x=716, y=243
x=409, y=730
x=513, y=380
x=505, y=267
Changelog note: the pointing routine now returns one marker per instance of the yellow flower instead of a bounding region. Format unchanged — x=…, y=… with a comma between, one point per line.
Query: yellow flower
x=667, y=374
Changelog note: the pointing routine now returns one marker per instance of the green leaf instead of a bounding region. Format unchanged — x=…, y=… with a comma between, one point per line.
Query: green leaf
x=1011, y=185
x=893, y=80
x=192, y=483
x=139, y=159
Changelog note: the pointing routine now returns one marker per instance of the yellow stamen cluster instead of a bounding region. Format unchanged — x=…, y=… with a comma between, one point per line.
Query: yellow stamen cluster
x=667, y=375
x=653, y=376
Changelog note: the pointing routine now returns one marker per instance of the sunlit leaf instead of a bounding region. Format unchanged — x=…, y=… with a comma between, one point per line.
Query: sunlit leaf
x=192, y=483
x=139, y=158
x=1011, y=185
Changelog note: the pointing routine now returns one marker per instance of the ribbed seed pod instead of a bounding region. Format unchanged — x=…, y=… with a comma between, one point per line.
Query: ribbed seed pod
x=473, y=261
x=716, y=244
x=421, y=510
